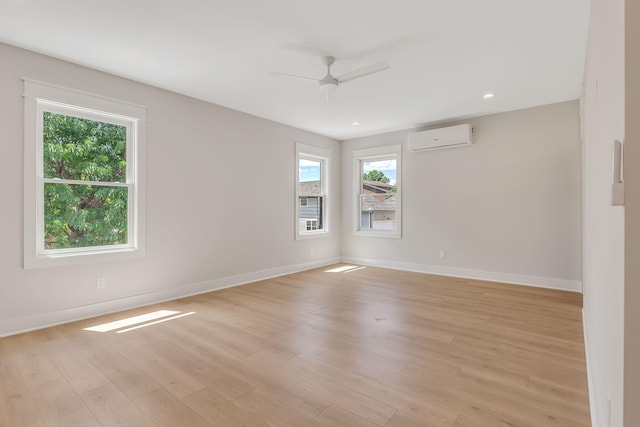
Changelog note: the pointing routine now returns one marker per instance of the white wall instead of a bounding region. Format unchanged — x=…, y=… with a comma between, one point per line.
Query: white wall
x=507, y=208
x=632, y=217
x=220, y=201
x=603, y=250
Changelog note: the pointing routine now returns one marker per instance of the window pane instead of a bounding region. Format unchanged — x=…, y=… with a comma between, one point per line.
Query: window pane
x=310, y=217
x=77, y=216
x=378, y=195
x=378, y=211
x=309, y=177
x=379, y=176
x=82, y=149
x=377, y=182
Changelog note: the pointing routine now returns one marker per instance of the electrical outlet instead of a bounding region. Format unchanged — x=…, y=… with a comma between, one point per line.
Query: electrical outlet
x=101, y=283
x=443, y=254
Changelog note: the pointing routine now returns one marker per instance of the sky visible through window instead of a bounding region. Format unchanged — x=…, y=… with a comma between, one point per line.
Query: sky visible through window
x=387, y=167
x=309, y=170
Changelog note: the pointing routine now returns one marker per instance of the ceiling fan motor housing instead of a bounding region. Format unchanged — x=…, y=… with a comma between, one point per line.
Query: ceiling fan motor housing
x=328, y=80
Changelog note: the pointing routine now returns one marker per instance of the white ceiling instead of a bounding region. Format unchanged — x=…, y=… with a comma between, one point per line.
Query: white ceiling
x=444, y=54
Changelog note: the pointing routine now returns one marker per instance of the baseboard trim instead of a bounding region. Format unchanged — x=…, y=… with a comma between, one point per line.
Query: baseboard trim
x=593, y=408
x=19, y=325
x=517, y=279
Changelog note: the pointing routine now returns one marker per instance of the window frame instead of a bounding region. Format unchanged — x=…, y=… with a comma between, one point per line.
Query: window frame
x=41, y=97
x=323, y=156
x=373, y=154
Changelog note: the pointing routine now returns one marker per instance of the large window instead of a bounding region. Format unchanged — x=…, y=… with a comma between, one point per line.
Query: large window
x=377, y=184
x=312, y=184
x=82, y=182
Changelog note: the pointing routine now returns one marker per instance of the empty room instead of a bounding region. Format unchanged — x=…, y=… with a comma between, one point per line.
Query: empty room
x=280, y=213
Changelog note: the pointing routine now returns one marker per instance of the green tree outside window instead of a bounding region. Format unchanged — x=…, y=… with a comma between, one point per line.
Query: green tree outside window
x=83, y=215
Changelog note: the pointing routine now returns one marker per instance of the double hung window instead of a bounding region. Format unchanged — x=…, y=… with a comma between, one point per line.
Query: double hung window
x=82, y=176
x=377, y=188
x=312, y=184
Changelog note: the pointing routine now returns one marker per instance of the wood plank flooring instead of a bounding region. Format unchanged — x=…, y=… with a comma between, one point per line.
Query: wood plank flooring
x=360, y=347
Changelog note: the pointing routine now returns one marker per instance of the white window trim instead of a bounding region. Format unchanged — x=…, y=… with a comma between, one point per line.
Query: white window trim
x=39, y=97
x=390, y=151
x=310, y=152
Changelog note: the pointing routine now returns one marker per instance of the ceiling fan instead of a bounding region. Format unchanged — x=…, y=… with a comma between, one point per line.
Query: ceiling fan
x=329, y=83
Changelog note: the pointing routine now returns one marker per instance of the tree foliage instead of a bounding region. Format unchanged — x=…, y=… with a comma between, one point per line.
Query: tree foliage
x=375, y=175
x=81, y=215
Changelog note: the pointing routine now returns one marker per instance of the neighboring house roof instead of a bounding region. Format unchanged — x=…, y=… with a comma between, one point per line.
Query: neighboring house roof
x=313, y=187
x=377, y=199
x=309, y=188
x=378, y=203
x=374, y=202
x=376, y=187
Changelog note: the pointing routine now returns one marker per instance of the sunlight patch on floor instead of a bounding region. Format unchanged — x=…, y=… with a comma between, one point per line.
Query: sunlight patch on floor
x=345, y=269
x=123, y=323
x=156, y=322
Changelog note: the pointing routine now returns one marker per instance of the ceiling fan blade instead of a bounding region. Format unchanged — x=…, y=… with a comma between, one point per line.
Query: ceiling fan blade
x=361, y=72
x=306, y=50
x=277, y=73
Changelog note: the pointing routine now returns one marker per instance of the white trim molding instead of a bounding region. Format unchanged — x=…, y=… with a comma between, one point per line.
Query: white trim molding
x=42, y=97
x=19, y=325
x=323, y=157
x=491, y=276
x=44, y=320
x=390, y=152
x=596, y=417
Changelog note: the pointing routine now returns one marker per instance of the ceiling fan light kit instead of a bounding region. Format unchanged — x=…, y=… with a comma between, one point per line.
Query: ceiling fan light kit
x=329, y=88
x=329, y=84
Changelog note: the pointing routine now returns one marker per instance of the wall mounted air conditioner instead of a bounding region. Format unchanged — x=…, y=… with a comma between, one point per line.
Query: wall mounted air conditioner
x=449, y=137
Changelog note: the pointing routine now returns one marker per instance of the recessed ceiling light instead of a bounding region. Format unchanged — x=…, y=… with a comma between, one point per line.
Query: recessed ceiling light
x=488, y=95
x=356, y=123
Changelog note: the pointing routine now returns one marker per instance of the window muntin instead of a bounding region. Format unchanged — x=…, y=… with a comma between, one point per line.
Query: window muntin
x=82, y=177
x=377, y=192
x=312, y=166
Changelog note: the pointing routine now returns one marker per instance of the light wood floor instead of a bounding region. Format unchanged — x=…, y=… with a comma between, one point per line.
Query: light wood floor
x=368, y=347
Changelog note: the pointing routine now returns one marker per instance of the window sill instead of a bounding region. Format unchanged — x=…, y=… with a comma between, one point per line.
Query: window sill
x=383, y=234
x=86, y=257
x=312, y=235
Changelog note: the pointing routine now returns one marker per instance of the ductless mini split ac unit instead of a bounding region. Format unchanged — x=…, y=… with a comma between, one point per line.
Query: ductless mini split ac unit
x=449, y=137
